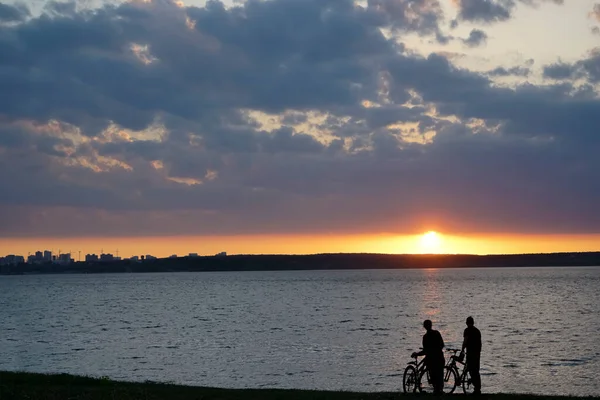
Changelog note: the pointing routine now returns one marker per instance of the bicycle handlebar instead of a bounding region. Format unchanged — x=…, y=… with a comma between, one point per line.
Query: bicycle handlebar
x=420, y=348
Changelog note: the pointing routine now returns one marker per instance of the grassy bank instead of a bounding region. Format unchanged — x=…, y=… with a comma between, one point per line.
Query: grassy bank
x=21, y=386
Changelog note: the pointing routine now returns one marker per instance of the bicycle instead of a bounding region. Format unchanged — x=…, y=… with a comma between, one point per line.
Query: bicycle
x=460, y=378
x=411, y=374
x=416, y=377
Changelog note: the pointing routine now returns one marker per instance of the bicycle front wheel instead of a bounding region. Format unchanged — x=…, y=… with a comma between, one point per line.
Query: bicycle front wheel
x=409, y=380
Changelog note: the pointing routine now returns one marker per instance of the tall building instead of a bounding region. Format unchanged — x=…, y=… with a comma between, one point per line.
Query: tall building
x=47, y=255
x=91, y=258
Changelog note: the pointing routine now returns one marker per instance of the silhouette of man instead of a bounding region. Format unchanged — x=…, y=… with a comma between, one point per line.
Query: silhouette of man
x=472, y=343
x=434, y=356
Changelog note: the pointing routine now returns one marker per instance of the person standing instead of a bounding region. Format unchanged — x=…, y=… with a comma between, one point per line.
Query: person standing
x=433, y=345
x=472, y=342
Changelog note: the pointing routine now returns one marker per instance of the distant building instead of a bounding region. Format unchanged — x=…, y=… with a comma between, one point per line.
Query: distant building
x=65, y=258
x=173, y=256
x=193, y=255
x=221, y=254
x=12, y=259
x=107, y=257
x=47, y=256
x=134, y=258
x=91, y=258
x=149, y=257
x=36, y=258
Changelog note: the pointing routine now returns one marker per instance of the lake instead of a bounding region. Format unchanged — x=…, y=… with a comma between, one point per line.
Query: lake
x=350, y=330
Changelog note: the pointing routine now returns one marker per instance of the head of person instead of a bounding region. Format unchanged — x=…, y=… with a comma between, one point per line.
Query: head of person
x=470, y=321
x=427, y=324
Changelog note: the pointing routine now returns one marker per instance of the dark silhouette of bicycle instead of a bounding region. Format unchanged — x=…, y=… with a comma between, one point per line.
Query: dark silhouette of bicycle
x=416, y=378
x=454, y=377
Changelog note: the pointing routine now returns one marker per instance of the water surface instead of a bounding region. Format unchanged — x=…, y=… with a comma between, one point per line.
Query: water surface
x=350, y=330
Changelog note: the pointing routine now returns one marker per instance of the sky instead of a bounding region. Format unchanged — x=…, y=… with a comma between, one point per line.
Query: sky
x=300, y=126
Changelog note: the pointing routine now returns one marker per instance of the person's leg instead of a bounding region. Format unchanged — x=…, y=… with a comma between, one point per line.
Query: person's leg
x=441, y=379
x=437, y=378
x=473, y=364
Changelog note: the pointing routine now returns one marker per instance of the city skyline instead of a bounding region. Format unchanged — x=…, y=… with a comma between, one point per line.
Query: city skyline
x=415, y=244
x=300, y=126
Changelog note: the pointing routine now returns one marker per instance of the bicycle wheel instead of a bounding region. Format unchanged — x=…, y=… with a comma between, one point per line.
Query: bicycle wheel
x=409, y=380
x=450, y=379
x=467, y=383
x=425, y=384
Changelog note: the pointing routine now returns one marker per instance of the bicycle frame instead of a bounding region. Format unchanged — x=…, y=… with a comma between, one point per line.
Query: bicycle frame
x=452, y=364
x=419, y=365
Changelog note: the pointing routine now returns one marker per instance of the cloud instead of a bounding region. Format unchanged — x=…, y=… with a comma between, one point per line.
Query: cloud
x=13, y=13
x=559, y=71
x=490, y=11
x=595, y=13
x=587, y=68
x=279, y=116
x=513, y=71
x=476, y=38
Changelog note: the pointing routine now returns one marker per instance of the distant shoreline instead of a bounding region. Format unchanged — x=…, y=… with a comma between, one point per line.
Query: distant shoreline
x=311, y=262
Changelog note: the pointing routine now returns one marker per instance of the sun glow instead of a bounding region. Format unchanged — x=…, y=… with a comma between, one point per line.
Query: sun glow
x=431, y=242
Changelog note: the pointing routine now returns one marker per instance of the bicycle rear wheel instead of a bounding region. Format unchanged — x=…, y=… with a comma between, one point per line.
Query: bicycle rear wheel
x=425, y=384
x=409, y=380
x=467, y=383
x=450, y=379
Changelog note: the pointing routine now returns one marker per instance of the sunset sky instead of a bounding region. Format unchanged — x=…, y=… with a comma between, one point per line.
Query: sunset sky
x=300, y=126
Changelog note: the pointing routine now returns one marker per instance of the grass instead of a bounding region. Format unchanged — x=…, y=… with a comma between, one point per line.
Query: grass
x=30, y=386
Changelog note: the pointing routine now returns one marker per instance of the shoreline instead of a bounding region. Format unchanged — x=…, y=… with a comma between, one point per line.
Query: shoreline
x=37, y=386
x=315, y=262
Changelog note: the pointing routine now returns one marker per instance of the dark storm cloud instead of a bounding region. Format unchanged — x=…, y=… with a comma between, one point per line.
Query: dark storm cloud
x=279, y=116
x=476, y=38
x=489, y=11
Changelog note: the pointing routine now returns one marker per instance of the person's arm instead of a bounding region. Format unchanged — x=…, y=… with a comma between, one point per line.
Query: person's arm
x=422, y=352
x=464, y=345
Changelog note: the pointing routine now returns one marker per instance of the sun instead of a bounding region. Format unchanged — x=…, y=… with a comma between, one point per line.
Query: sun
x=431, y=242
